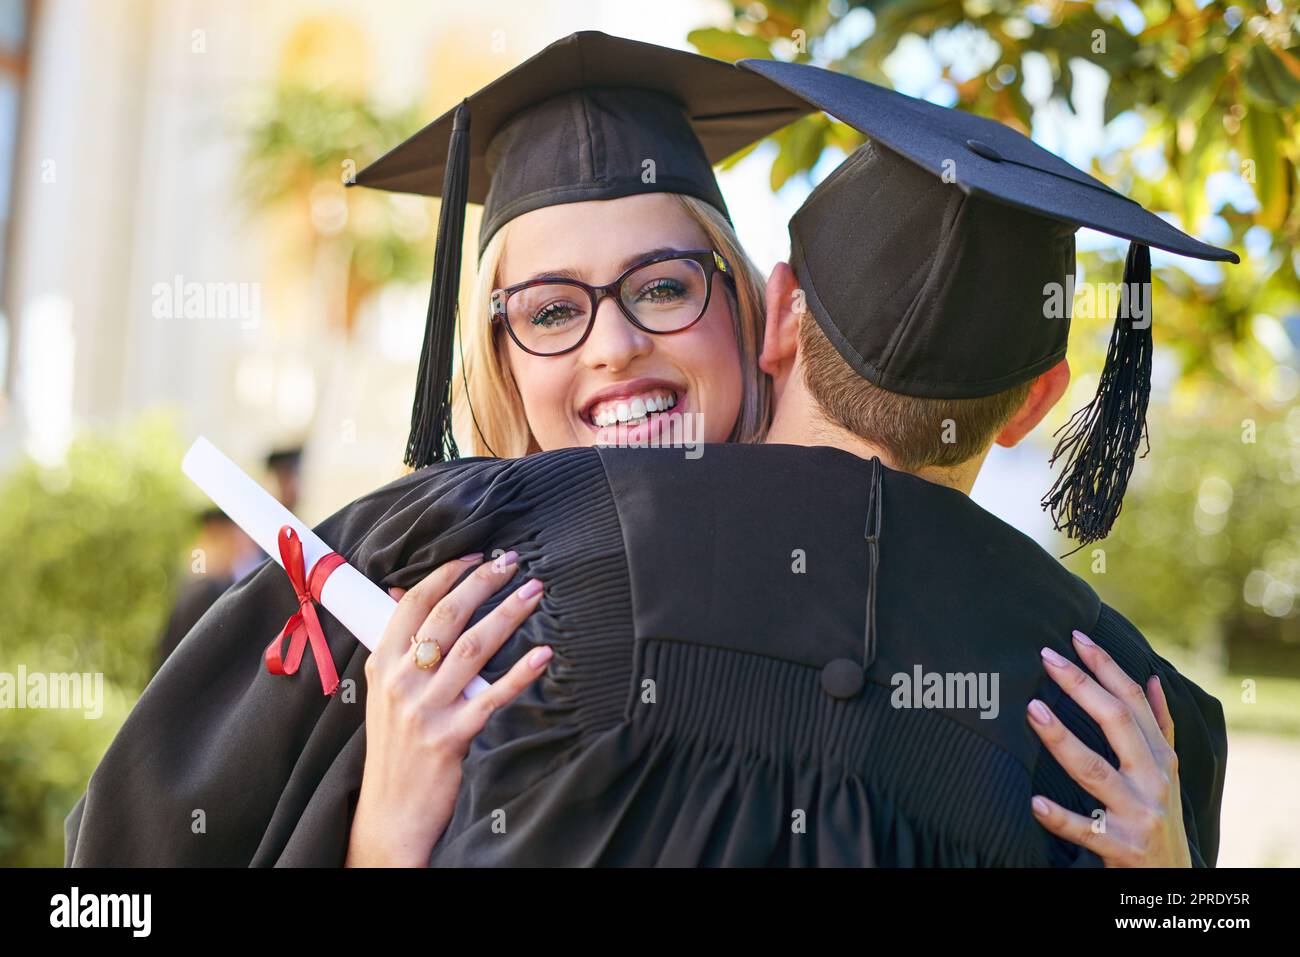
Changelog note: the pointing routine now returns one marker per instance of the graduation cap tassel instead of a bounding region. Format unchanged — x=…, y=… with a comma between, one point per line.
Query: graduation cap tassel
x=431, y=438
x=1101, y=439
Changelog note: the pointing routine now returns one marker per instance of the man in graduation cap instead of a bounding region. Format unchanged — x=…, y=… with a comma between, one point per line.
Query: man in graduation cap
x=729, y=632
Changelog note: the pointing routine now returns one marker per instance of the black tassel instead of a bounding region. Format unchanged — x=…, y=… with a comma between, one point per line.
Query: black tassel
x=1101, y=439
x=431, y=439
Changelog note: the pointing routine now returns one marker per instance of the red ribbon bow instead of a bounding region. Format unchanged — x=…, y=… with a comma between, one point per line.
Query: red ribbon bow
x=304, y=625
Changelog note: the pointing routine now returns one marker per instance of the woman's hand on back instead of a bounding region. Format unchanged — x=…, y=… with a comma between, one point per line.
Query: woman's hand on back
x=418, y=723
x=1143, y=822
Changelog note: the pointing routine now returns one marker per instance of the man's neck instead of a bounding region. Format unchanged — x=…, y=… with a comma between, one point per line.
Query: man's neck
x=798, y=421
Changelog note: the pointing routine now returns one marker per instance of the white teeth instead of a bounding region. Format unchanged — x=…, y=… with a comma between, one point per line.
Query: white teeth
x=633, y=410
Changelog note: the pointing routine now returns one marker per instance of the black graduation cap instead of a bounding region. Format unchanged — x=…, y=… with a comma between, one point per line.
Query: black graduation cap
x=590, y=117
x=934, y=291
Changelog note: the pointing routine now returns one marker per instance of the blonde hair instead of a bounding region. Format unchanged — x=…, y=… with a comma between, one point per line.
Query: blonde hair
x=488, y=418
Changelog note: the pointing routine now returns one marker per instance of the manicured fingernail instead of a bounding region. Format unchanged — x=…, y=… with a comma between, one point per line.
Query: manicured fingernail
x=506, y=561
x=1052, y=658
x=1038, y=711
x=1083, y=639
x=529, y=589
x=540, y=657
x=471, y=558
x=1040, y=807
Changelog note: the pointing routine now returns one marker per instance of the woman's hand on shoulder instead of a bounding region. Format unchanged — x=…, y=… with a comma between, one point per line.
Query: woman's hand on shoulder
x=1143, y=821
x=419, y=725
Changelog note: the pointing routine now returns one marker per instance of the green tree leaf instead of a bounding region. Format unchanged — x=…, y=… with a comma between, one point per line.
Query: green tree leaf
x=729, y=44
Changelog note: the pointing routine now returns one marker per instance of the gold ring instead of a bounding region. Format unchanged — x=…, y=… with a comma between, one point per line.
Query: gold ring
x=425, y=659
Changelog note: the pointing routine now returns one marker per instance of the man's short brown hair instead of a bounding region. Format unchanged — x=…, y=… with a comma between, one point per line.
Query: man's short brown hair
x=916, y=433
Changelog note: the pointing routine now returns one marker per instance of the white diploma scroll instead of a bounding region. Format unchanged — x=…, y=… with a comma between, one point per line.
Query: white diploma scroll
x=358, y=603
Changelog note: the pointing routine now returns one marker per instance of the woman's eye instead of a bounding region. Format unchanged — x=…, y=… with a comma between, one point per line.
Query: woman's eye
x=661, y=290
x=554, y=314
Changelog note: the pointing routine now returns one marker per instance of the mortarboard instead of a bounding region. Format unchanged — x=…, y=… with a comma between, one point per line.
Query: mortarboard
x=589, y=117
x=936, y=292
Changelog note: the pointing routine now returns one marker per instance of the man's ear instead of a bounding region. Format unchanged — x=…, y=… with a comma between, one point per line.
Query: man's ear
x=1043, y=394
x=781, y=330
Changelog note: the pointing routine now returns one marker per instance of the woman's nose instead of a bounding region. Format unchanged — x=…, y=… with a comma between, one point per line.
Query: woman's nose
x=614, y=342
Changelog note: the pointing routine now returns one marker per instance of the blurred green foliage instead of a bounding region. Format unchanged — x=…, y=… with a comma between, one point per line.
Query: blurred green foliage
x=46, y=757
x=1207, y=553
x=92, y=552
x=1257, y=703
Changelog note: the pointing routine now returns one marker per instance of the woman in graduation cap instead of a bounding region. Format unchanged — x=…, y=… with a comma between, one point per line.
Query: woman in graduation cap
x=612, y=142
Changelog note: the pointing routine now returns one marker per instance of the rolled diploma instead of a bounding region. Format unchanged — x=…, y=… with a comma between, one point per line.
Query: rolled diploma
x=358, y=603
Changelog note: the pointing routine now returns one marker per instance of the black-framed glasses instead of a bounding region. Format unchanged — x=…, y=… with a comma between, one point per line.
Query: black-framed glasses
x=664, y=294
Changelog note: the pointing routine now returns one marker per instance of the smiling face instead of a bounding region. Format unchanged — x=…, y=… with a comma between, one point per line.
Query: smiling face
x=621, y=377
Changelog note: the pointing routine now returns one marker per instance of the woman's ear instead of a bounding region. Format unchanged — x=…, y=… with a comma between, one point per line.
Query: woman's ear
x=1043, y=394
x=781, y=329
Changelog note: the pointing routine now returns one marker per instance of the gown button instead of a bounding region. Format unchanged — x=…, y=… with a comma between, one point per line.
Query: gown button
x=842, y=678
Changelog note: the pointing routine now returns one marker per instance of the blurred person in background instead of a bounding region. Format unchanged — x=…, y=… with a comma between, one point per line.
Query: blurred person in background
x=227, y=554
x=222, y=555
x=284, y=468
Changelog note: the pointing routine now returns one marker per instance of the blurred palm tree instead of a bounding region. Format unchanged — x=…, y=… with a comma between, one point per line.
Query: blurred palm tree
x=318, y=126
x=303, y=147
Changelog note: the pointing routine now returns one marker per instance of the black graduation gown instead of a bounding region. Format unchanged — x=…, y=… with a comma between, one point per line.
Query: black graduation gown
x=196, y=596
x=693, y=606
